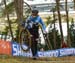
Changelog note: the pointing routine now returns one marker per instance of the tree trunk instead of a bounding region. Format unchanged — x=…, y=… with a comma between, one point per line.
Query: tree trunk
x=54, y=34
x=9, y=23
x=59, y=18
x=74, y=4
x=67, y=19
x=19, y=9
x=19, y=12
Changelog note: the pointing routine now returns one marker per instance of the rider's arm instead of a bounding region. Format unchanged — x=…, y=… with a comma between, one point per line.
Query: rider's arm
x=26, y=22
x=28, y=18
x=43, y=25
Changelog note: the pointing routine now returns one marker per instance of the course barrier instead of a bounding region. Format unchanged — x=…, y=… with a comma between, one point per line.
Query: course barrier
x=14, y=49
x=5, y=47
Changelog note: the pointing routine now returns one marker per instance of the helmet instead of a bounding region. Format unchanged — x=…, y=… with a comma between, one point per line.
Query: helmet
x=35, y=11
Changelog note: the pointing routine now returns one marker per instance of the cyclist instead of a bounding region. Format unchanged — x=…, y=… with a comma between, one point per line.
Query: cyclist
x=32, y=24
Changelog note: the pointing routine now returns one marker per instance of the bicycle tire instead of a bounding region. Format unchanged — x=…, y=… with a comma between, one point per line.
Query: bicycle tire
x=25, y=39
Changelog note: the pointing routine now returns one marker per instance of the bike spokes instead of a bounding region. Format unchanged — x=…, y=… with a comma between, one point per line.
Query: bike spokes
x=25, y=40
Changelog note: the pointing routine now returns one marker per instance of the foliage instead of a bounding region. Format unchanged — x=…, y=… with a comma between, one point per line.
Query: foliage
x=48, y=20
x=40, y=46
x=52, y=29
x=58, y=39
x=9, y=8
x=72, y=33
x=51, y=37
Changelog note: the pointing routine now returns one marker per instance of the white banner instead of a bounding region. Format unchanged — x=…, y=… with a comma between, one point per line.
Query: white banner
x=17, y=51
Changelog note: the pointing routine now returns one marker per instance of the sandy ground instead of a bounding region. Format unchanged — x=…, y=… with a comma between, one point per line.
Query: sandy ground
x=10, y=59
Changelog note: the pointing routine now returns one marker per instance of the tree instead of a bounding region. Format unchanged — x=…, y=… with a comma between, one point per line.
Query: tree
x=57, y=39
x=72, y=33
x=11, y=9
x=53, y=35
x=74, y=4
x=9, y=23
x=59, y=18
x=19, y=12
x=54, y=31
x=67, y=19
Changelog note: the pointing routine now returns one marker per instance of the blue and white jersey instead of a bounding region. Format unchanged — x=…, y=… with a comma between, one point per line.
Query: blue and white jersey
x=31, y=20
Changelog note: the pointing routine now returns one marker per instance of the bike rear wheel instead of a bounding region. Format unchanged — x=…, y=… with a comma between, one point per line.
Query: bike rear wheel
x=25, y=40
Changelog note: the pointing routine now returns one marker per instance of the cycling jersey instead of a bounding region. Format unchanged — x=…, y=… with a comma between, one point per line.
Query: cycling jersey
x=31, y=20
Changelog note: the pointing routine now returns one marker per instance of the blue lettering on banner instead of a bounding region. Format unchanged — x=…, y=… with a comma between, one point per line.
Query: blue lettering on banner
x=48, y=53
x=74, y=51
x=65, y=52
x=51, y=53
x=16, y=51
x=40, y=54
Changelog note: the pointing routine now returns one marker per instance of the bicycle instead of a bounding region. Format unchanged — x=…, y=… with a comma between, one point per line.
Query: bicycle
x=25, y=39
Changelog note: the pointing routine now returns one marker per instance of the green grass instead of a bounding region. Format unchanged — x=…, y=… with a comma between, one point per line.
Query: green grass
x=10, y=59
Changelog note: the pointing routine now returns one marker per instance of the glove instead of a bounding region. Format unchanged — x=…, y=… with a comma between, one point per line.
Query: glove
x=44, y=32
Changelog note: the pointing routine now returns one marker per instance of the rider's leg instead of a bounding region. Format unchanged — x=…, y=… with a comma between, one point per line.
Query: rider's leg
x=34, y=48
x=34, y=42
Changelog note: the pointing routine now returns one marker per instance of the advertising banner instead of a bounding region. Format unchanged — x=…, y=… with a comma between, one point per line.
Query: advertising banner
x=5, y=47
x=66, y=51
x=14, y=49
x=17, y=51
x=52, y=53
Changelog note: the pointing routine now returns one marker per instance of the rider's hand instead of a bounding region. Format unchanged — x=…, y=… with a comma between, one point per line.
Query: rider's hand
x=45, y=32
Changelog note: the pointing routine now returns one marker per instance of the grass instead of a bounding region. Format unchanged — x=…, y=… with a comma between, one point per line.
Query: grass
x=11, y=59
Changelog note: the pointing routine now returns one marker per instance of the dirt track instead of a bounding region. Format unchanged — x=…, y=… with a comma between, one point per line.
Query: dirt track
x=10, y=59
